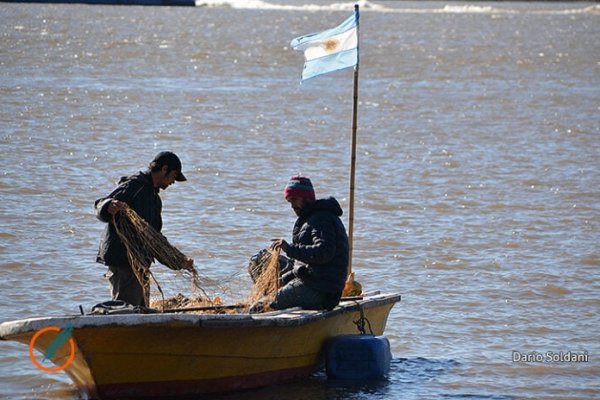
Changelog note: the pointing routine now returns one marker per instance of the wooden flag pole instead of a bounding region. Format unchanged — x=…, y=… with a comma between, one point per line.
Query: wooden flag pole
x=353, y=153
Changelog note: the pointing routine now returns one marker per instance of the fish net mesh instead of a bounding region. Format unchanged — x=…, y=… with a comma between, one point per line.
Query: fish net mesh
x=266, y=283
x=184, y=287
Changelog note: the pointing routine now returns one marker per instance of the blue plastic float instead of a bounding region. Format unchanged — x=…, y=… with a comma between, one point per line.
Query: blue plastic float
x=358, y=357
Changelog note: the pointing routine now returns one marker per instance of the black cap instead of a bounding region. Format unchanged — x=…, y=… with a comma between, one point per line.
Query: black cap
x=172, y=161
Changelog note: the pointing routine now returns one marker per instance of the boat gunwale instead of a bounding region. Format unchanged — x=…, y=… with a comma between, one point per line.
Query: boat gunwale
x=288, y=317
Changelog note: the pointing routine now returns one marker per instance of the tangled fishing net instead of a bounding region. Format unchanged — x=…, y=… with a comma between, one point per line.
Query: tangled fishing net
x=144, y=244
x=265, y=273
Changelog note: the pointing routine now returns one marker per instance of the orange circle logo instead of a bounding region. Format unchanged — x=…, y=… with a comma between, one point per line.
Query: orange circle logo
x=61, y=338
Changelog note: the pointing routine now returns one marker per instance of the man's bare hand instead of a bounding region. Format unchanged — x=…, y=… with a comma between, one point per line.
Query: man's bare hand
x=279, y=244
x=188, y=264
x=115, y=206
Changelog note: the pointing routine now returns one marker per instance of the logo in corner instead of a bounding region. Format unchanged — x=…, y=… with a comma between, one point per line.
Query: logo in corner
x=63, y=337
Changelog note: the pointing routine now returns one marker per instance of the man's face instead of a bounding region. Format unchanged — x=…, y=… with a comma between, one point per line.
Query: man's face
x=166, y=177
x=297, y=203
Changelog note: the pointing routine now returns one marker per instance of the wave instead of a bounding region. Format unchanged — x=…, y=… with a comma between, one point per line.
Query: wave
x=585, y=10
x=264, y=5
x=369, y=6
x=475, y=9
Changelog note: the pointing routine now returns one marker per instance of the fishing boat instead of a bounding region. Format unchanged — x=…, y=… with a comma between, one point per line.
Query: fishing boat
x=182, y=353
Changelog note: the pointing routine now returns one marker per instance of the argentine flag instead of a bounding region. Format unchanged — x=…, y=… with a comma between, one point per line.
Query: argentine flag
x=330, y=50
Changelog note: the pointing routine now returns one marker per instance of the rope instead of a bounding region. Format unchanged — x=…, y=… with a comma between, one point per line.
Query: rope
x=360, y=322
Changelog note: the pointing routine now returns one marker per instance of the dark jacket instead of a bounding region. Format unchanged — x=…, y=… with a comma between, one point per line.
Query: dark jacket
x=320, y=241
x=139, y=193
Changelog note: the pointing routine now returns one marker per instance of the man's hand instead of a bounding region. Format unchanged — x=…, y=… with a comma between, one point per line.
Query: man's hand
x=115, y=206
x=188, y=264
x=279, y=244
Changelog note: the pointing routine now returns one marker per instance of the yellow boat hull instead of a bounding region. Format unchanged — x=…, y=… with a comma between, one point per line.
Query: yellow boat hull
x=120, y=356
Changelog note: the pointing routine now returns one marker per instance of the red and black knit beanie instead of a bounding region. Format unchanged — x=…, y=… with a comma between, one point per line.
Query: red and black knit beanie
x=299, y=186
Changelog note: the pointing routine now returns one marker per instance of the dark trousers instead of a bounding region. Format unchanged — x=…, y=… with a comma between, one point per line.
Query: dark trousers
x=295, y=293
x=125, y=286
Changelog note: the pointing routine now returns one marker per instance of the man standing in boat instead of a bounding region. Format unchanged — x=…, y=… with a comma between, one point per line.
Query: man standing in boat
x=141, y=193
x=318, y=252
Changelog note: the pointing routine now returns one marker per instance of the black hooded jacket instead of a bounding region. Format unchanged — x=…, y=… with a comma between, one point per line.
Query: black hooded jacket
x=139, y=193
x=320, y=241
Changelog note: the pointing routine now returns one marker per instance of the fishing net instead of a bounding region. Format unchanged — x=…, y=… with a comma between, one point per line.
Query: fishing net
x=266, y=277
x=144, y=244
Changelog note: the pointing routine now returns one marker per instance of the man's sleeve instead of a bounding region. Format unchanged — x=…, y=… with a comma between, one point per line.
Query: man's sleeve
x=125, y=192
x=322, y=248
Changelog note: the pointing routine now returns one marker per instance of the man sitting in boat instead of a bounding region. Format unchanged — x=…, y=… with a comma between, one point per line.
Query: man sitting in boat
x=141, y=193
x=318, y=253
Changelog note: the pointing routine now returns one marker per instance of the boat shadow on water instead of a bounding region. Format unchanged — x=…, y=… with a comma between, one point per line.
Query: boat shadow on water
x=409, y=378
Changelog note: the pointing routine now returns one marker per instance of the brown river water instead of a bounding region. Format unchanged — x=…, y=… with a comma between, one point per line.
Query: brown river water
x=477, y=181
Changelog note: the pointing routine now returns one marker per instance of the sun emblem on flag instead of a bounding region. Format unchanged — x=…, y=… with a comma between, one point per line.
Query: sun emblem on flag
x=331, y=45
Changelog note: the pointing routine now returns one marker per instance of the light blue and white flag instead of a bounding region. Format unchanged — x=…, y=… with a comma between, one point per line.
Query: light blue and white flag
x=330, y=50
